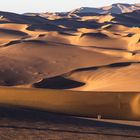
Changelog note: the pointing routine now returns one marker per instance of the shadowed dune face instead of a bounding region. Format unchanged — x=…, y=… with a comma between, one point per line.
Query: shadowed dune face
x=76, y=24
x=96, y=35
x=12, y=32
x=44, y=27
x=129, y=19
x=61, y=83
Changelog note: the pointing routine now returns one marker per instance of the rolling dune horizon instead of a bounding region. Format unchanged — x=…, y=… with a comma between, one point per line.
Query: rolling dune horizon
x=84, y=62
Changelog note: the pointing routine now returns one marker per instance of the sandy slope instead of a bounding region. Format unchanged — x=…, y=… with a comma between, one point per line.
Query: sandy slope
x=113, y=105
x=84, y=53
x=113, y=77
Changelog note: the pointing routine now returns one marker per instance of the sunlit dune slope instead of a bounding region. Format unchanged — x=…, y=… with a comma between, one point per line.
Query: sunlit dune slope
x=26, y=62
x=113, y=77
x=113, y=105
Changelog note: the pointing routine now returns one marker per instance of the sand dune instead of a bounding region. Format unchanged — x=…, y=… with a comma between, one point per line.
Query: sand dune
x=129, y=19
x=113, y=105
x=92, y=60
x=113, y=77
x=21, y=58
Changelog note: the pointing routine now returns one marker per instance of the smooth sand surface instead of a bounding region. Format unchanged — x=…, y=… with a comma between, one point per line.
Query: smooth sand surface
x=111, y=105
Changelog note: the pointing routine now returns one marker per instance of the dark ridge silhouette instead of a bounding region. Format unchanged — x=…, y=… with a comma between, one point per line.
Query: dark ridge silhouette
x=45, y=26
x=35, y=41
x=87, y=14
x=75, y=24
x=24, y=41
x=66, y=33
x=42, y=35
x=12, y=17
x=22, y=19
x=130, y=35
x=128, y=19
x=58, y=82
x=12, y=43
x=107, y=48
x=86, y=69
x=122, y=64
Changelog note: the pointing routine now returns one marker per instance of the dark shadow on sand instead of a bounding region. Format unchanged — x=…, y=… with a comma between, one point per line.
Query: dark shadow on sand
x=58, y=82
x=33, y=116
x=29, y=115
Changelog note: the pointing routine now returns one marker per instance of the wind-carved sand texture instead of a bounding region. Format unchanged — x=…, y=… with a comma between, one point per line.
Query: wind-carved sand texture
x=86, y=64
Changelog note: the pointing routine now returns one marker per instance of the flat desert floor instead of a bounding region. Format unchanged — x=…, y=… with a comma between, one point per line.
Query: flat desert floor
x=79, y=65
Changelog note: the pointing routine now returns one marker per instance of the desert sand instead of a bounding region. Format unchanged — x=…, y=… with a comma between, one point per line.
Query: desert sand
x=90, y=54
x=83, y=65
x=107, y=105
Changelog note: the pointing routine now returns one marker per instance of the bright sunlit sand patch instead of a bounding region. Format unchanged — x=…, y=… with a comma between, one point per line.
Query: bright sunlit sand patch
x=136, y=105
x=112, y=105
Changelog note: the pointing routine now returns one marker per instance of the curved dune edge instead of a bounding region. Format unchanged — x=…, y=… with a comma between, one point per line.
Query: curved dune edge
x=114, y=77
x=110, y=105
